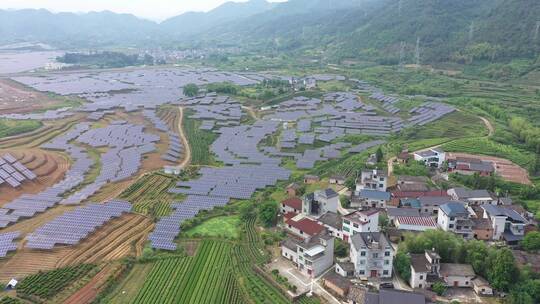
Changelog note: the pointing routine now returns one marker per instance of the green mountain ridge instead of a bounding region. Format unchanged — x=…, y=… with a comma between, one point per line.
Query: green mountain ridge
x=459, y=31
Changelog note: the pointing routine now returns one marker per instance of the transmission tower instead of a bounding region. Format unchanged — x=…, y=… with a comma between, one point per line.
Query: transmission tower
x=401, y=54
x=471, y=32
x=536, y=30
x=417, y=52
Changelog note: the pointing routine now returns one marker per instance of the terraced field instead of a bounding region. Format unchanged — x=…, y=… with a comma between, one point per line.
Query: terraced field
x=149, y=195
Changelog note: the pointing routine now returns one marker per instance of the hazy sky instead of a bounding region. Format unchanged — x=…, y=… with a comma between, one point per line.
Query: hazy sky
x=150, y=9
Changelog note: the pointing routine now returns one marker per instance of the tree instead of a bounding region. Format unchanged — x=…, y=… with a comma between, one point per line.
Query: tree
x=402, y=264
x=267, y=213
x=341, y=248
x=247, y=211
x=384, y=222
x=520, y=297
x=503, y=270
x=350, y=183
x=191, y=90
x=379, y=154
x=439, y=288
x=531, y=241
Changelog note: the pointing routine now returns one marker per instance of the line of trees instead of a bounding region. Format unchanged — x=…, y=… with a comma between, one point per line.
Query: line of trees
x=497, y=265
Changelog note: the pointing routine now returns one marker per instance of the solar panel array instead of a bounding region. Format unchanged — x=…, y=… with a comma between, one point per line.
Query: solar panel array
x=127, y=144
x=388, y=101
x=429, y=112
x=130, y=90
x=7, y=242
x=28, y=205
x=176, y=148
x=73, y=226
x=308, y=159
x=47, y=115
x=12, y=172
x=168, y=228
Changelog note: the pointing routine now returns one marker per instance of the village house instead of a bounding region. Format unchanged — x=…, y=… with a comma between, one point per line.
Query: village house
x=432, y=157
x=372, y=255
x=403, y=157
x=360, y=295
x=333, y=223
x=345, y=269
x=311, y=179
x=337, y=179
x=412, y=183
x=472, y=197
x=482, y=229
x=415, y=223
x=360, y=221
x=507, y=223
x=373, y=180
x=320, y=202
x=370, y=199
x=336, y=284
x=481, y=287
x=292, y=189
x=429, y=205
x=311, y=256
x=455, y=217
x=470, y=166
x=392, y=213
x=427, y=269
x=301, y=226
x=292, y=204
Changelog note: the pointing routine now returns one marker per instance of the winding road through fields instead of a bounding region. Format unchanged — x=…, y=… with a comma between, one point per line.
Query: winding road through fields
x=187, y=149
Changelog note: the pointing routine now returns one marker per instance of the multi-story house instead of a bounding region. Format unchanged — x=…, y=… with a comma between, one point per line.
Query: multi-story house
x=360, y=221
x=426, y=269
x=472, y=197
x=373, y=180
x=311, y=256
x=372, y=255
x=507, y=223
x=302, y=226
x=320, y=202
x=431, y=157
x=455, y=217
x=292, y=204
x=370, y=198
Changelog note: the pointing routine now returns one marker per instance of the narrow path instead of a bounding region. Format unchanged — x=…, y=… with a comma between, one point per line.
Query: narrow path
x=250, y=111
x=489, y=126
x=187, y=148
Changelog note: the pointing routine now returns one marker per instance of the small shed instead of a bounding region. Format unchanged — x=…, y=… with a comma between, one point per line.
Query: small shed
x=311, y=179
x=11, y=285
x=292, y=189
x=482, y=287
x=337, y=284
x=337, y=180
x=172, y=170
x=345, y=269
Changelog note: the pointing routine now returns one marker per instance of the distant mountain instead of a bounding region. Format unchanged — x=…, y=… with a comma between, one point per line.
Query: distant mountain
x=65, y=29
x=192, y=23
x=380, y=30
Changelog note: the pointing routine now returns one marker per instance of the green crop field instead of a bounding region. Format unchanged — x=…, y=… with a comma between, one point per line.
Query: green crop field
x=15, y=127
x=149, y=195
x=45, y=285
x=199, y=141
x=205, y=278
x=10, y=300
x=218, y=227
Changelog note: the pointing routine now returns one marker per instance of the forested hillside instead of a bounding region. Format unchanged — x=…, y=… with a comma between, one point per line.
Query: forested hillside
x=460, y=31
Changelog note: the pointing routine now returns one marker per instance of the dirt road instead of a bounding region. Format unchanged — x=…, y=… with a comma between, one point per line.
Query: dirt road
x=187, y=148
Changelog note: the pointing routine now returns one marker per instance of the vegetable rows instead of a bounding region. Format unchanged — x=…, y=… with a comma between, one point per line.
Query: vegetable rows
x=47, y=284
x=205, y=278
x=149, y=195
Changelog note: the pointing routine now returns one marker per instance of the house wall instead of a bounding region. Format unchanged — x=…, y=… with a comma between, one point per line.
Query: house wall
x=418, y=279
x=413, y=227
x=483, y=234
x=340, y=271
x=326, y=261
x=289, y=254
x=483, y=290
x=462, y=281
x=336, y=289
x=364, y=265
x=296, y=232
x=284, y=209
x=498, y=223
x=444, y=221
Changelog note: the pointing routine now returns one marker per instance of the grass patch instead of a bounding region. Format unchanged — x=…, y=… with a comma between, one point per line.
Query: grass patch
x=219, y=227
x=199, y=141
x=9, y=127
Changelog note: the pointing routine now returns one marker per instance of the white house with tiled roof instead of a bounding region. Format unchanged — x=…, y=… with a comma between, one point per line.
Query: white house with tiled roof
x=360, y=221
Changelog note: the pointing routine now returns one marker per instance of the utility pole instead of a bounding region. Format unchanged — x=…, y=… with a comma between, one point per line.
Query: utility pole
x=536, y=30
